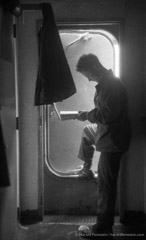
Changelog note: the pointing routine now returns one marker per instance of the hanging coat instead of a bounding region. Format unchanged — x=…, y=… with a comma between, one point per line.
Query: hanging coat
x=54, y=81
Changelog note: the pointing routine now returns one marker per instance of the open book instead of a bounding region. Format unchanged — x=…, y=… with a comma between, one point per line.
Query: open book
x=65, y=115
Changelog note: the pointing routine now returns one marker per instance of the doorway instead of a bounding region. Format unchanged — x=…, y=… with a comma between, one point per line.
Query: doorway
x=44, y=182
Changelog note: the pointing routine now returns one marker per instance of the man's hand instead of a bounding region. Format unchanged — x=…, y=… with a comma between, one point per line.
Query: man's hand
x=82, y=116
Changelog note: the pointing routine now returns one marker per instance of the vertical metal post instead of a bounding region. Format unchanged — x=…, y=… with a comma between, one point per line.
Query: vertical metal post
x=17, y=112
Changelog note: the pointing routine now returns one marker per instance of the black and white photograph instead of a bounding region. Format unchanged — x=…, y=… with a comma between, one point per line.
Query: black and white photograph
x=72, y=119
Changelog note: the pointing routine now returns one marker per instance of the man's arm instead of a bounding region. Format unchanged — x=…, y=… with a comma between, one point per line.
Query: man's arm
x=108, y=106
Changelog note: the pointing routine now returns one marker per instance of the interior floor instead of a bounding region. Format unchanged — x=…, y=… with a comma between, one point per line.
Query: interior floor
x=56, y=227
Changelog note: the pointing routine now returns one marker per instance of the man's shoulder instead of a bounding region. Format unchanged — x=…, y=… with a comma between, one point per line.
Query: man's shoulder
x=115, y=81
x=114, y=85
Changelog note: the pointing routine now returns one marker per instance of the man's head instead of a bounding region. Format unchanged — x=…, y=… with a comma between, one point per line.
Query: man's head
x=90, y=67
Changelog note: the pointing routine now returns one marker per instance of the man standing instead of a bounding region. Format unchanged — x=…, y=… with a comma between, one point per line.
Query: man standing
x=108, y=133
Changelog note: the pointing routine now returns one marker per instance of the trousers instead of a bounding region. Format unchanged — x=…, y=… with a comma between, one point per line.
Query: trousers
x=108, y=171
x=87, y=146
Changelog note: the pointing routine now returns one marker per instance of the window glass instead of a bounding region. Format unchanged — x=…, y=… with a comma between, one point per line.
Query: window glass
x=64, y=136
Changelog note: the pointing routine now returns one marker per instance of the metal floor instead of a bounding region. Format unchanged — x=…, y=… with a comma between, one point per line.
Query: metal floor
x=66, y=228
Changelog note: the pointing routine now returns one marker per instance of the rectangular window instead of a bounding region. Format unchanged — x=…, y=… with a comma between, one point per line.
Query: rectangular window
x=63, y=137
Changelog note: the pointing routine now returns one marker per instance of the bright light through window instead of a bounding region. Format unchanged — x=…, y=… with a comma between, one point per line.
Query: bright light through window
x=63, y=137
x=117, y=60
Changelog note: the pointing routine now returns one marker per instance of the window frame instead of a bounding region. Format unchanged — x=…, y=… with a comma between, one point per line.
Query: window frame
x=113, y=30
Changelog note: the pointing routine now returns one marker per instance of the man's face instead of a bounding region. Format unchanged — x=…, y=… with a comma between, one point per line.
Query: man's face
x=91, y=76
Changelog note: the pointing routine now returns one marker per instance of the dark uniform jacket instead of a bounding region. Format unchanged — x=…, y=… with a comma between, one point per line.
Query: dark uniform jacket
x=54, y=80
x=111, y=115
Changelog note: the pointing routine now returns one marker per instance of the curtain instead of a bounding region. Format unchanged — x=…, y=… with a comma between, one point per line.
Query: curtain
x=54, y=80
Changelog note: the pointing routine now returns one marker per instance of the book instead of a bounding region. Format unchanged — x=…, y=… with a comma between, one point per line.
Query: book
x=68, y=115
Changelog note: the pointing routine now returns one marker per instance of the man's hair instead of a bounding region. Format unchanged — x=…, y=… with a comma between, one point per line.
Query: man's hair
x=88, y=62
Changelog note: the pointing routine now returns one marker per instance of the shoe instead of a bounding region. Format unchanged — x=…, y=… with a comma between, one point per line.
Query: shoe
x=85, y=174
x=75, y=171
x=92, y=232
x=82, y=172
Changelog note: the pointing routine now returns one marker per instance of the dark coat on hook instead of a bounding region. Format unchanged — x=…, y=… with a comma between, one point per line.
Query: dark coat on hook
x=54, y=81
